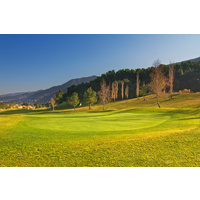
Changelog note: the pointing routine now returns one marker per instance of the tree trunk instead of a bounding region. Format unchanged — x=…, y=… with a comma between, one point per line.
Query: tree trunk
x=122, y=90
x=137, y=85
x=157, y=100
x=104, y=106
x=89, y=107
x=74, y=107
x=171, y=89
x=171, y=77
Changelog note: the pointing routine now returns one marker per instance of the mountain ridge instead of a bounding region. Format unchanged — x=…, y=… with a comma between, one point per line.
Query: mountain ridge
x=41, y=96
x=191, y=60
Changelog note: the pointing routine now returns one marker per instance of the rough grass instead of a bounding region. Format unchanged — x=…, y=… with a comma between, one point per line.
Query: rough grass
x=130, y=133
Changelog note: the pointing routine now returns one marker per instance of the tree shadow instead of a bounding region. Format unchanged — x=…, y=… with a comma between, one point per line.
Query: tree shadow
x=190, y=118
x=99, y=111
x=23, y=111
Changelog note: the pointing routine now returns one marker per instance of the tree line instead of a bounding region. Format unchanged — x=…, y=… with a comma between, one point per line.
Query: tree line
x=158, y=79
x=187, y=75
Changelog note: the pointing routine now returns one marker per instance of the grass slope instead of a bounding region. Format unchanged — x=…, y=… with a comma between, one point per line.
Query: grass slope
x=130, y=133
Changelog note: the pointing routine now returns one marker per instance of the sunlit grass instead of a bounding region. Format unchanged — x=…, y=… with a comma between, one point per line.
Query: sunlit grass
x=130, y=133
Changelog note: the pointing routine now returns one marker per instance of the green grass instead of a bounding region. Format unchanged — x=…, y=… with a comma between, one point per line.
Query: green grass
x=130, y=133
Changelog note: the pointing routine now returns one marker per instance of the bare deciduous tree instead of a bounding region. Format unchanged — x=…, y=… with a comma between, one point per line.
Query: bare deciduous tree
x=113, y=91
x=122, y=88
x=137, y=85
x=126, y=91
x=126, y=81
x=171, y=77
x=158, y=80
x=105, y=93
x=116, y=89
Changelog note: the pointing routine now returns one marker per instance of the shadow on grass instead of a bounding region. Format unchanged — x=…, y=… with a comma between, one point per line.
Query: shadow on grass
x=184, y=112
x=23, y=111
x=191, y=118
x=99, y=111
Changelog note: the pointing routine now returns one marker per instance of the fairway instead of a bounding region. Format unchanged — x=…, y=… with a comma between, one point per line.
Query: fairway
x=129, y=133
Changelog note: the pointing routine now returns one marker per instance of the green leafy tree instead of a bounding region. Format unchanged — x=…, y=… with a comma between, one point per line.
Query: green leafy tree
x=59, y=94
x=73, y=100
x=37, y=105
x=143, y=90
x=47, y=104
x=90, y=97
x=3, y=105
x=25, y=104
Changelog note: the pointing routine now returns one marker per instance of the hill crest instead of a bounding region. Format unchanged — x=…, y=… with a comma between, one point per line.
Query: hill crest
x=42, y=96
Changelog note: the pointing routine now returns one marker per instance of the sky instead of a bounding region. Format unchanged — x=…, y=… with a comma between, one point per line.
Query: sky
x=34, y=62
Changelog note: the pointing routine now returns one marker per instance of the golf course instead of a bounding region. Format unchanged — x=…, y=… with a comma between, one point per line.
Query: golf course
x=129, y=133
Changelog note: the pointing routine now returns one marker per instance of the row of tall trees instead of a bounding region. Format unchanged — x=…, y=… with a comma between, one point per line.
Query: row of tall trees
x=114, y=90
x=158, y=84
x=186, y=75
x=159, y=79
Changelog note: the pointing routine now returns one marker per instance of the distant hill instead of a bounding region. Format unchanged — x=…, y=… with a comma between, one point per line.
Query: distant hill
x=42, y=96
x=191, y=60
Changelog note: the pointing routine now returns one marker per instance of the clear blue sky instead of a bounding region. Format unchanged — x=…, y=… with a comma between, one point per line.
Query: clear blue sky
x=33, y=62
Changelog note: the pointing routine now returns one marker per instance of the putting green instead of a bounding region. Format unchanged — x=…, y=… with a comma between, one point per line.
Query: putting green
x=92, y=122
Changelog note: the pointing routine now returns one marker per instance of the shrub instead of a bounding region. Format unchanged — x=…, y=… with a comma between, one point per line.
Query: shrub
x=185, y=91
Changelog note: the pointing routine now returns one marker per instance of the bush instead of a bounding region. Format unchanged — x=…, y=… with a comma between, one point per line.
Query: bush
x=185, y=91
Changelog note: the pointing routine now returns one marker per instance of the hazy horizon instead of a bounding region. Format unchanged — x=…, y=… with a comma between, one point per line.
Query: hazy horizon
x=43, y=88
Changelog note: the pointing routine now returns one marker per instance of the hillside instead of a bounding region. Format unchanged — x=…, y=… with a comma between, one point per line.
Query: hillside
x=191, y=60
x=42, y=96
